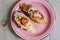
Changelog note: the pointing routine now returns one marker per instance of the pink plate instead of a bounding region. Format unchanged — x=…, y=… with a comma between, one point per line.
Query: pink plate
x=42, y=30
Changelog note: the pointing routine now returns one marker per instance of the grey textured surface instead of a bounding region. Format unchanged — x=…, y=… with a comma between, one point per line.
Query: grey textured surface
x=6, y=32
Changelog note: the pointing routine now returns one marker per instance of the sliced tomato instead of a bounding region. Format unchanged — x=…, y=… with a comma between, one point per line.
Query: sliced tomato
x=24, y=21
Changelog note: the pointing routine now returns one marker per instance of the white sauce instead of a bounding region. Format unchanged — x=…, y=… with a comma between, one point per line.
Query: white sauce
x=19, y=23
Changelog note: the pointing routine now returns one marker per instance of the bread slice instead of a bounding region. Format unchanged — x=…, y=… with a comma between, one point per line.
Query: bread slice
x=24, y=22
x=32, y=13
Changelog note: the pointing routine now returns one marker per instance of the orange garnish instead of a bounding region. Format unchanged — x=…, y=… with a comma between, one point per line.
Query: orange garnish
x=24, y=21
x=23, y=6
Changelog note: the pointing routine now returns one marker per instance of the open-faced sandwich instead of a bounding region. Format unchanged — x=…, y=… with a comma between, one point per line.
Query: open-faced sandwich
x=32, y=12
x=23, y=21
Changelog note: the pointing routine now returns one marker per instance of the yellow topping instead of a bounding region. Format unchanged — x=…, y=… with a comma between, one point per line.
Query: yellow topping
x=16, y=20
x=20, y=16
x=26, y=26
